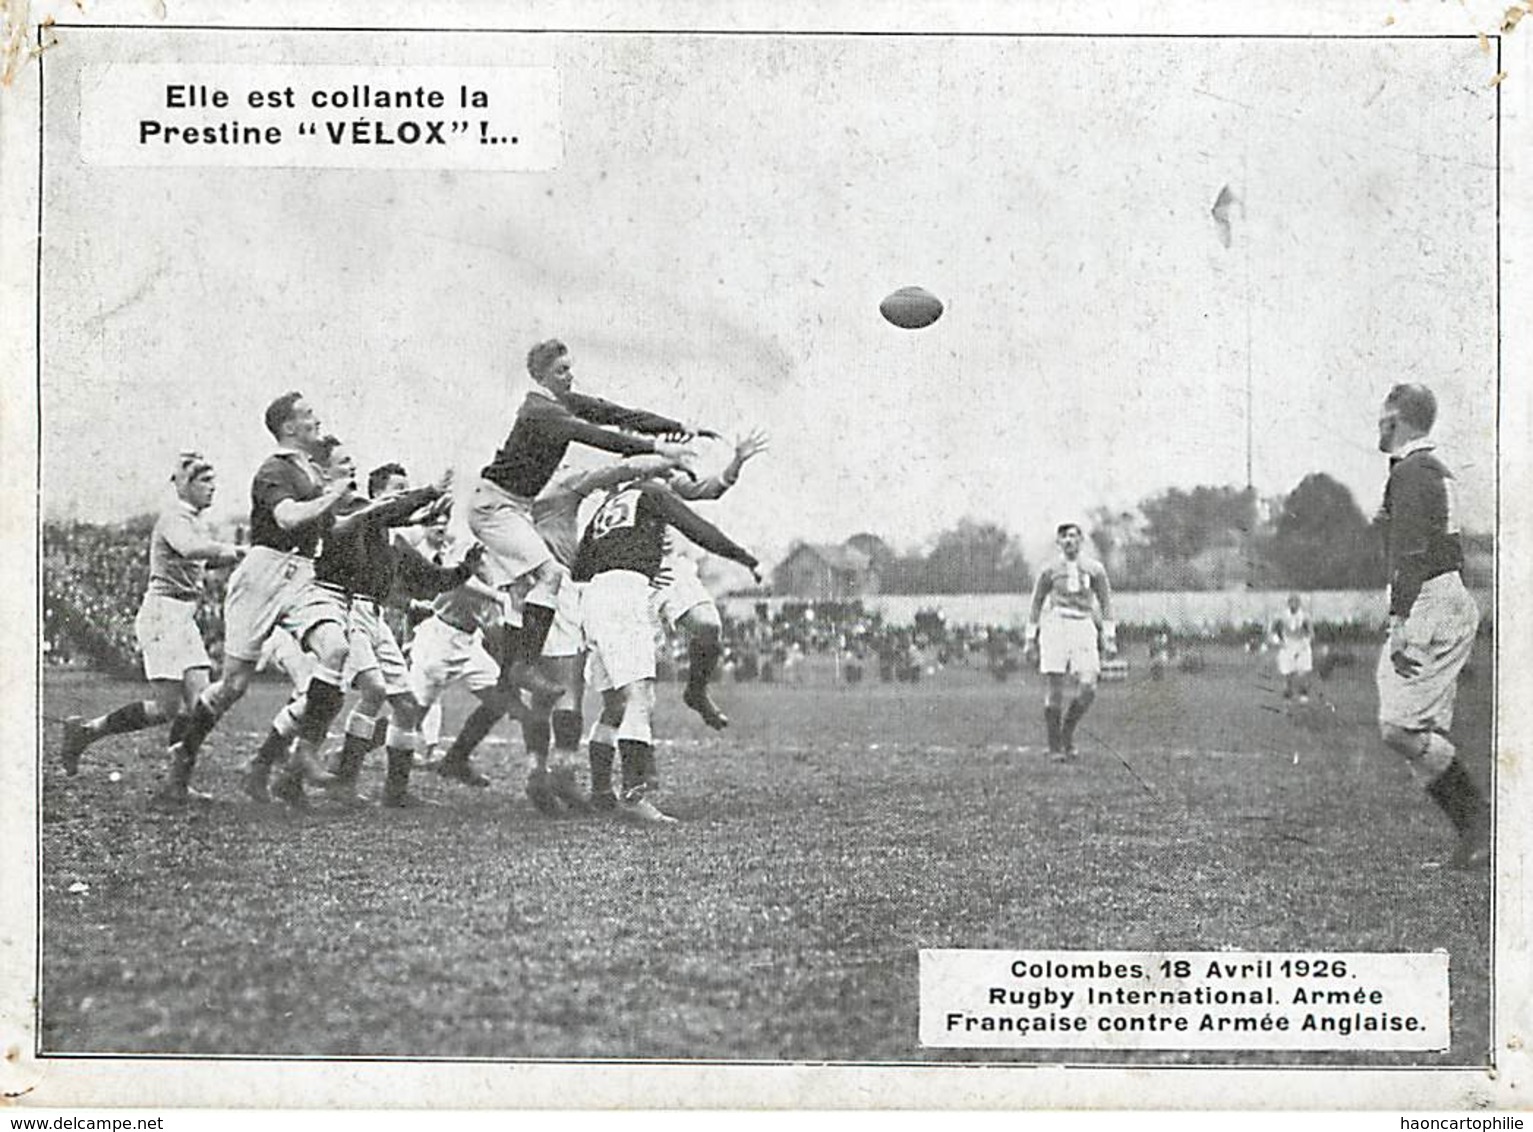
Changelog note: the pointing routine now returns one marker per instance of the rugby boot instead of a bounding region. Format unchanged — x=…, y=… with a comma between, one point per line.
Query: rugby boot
x=636, y=808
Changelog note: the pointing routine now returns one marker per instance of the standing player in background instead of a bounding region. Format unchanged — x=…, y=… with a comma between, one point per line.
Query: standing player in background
x=1062, y=633
x=1432, y=618
x=273, y=588
x=550, y=419
x=176, y=663
x=620, y=554
x=1295, y=654
x=682, y=600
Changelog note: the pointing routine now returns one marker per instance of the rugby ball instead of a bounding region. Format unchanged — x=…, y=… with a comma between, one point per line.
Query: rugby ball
x=911, y=308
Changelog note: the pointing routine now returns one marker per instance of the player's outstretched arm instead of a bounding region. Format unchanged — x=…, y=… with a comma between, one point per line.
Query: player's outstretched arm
x=291, y=514
x=615, y=475
x=418, y=576
x=601, y=412
x=695, y=527
x=394, y=511
x=752, y=444
x=188, y=541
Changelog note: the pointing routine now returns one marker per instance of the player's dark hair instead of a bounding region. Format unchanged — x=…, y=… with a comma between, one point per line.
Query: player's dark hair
x=326, y=446
x=543, y=355
x=280, y=411
x=381, y=475
x=1415, y=404
x=1064, y=528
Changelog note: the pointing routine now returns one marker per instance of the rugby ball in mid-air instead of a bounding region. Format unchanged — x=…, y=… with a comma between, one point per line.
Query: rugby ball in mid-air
x=911, y=308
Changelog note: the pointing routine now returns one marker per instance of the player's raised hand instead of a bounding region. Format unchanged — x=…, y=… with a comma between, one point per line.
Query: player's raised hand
x=473, y=557
x=751, y=444
x=443, y=483
x=678, y=454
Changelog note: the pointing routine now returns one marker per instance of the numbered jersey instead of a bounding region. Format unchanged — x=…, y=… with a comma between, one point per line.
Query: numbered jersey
x=627, y=532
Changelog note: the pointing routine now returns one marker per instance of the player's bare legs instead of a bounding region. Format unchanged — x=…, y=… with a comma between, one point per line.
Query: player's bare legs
x=322, y=703
x=636, y=755
x=603, y=751
x=169, y=700
x=1434, y=760
x=705, y=647
x=361, y=735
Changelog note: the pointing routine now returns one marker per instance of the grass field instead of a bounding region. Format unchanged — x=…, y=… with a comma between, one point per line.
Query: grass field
x=827, y=837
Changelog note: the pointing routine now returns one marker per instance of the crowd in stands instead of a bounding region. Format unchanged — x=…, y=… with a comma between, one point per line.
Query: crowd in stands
x=94, y=576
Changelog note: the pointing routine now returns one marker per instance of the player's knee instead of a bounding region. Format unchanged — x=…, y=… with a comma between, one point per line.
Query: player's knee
x=1398, y=739
x=703, y=621
x=406, y=711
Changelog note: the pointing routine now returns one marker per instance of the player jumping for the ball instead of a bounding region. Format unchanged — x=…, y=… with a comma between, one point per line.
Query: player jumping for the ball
x=550, y=419
x=1064, y=634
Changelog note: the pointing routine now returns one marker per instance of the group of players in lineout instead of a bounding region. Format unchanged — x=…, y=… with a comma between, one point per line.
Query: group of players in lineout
x=536, y=605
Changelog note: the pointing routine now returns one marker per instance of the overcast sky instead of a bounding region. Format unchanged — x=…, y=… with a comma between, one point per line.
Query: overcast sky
x=728, y=214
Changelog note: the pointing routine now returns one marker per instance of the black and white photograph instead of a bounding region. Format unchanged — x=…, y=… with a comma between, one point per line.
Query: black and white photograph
x=754, y=556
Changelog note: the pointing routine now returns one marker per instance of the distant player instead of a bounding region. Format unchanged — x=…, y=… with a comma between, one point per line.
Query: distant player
x=620, y=554
x=1432, y=617
x=550, y=419
x=682, y=600
x=1295, y=653
x=1062, y=632
x=175, y=662
x=274, y=588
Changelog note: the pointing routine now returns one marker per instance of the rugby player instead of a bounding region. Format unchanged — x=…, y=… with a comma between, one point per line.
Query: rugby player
x=550, y=419
x=1433, y=619
x=682, y=600
x=175, y=662
x=619, y=556
x=1062, y=633
x=272, y=588
x=1295, y=653
x=557, y=719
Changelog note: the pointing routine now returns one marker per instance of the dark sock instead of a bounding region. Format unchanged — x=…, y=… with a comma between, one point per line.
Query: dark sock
x=380, y=731
x=178, y=727
x=703, y=652
x=397, y=777
x=636, y=762
x=129, y=717
x=322, y=704
x=602, y=755
x=473, y=731
x=353, y=753
x=536, y=621
x=199, y=722
x=1072, y=717
x=536, y=732
x=272, y=748
x=1051, y=719
x=1456, y=793
x=566, y=727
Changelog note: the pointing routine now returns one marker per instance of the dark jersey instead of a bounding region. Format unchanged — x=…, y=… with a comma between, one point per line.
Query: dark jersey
x=628, y=532
x=1421, y=535
x=545, y=428
x=358, y=560
x=283, y=476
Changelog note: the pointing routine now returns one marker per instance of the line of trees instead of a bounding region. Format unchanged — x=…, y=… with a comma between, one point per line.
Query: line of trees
x=1207, y=538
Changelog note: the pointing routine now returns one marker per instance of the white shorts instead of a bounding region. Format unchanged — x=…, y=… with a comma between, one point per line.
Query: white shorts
x=1068, y=644
x=503, y=522
x=284, y=654
x=371, y=645
x=441, y=654
x=168, y=636
x=566, y=636
x=1296, y=658
x=684, y=591
x=1445, y=614
x=620, y=626
x=270, y=590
